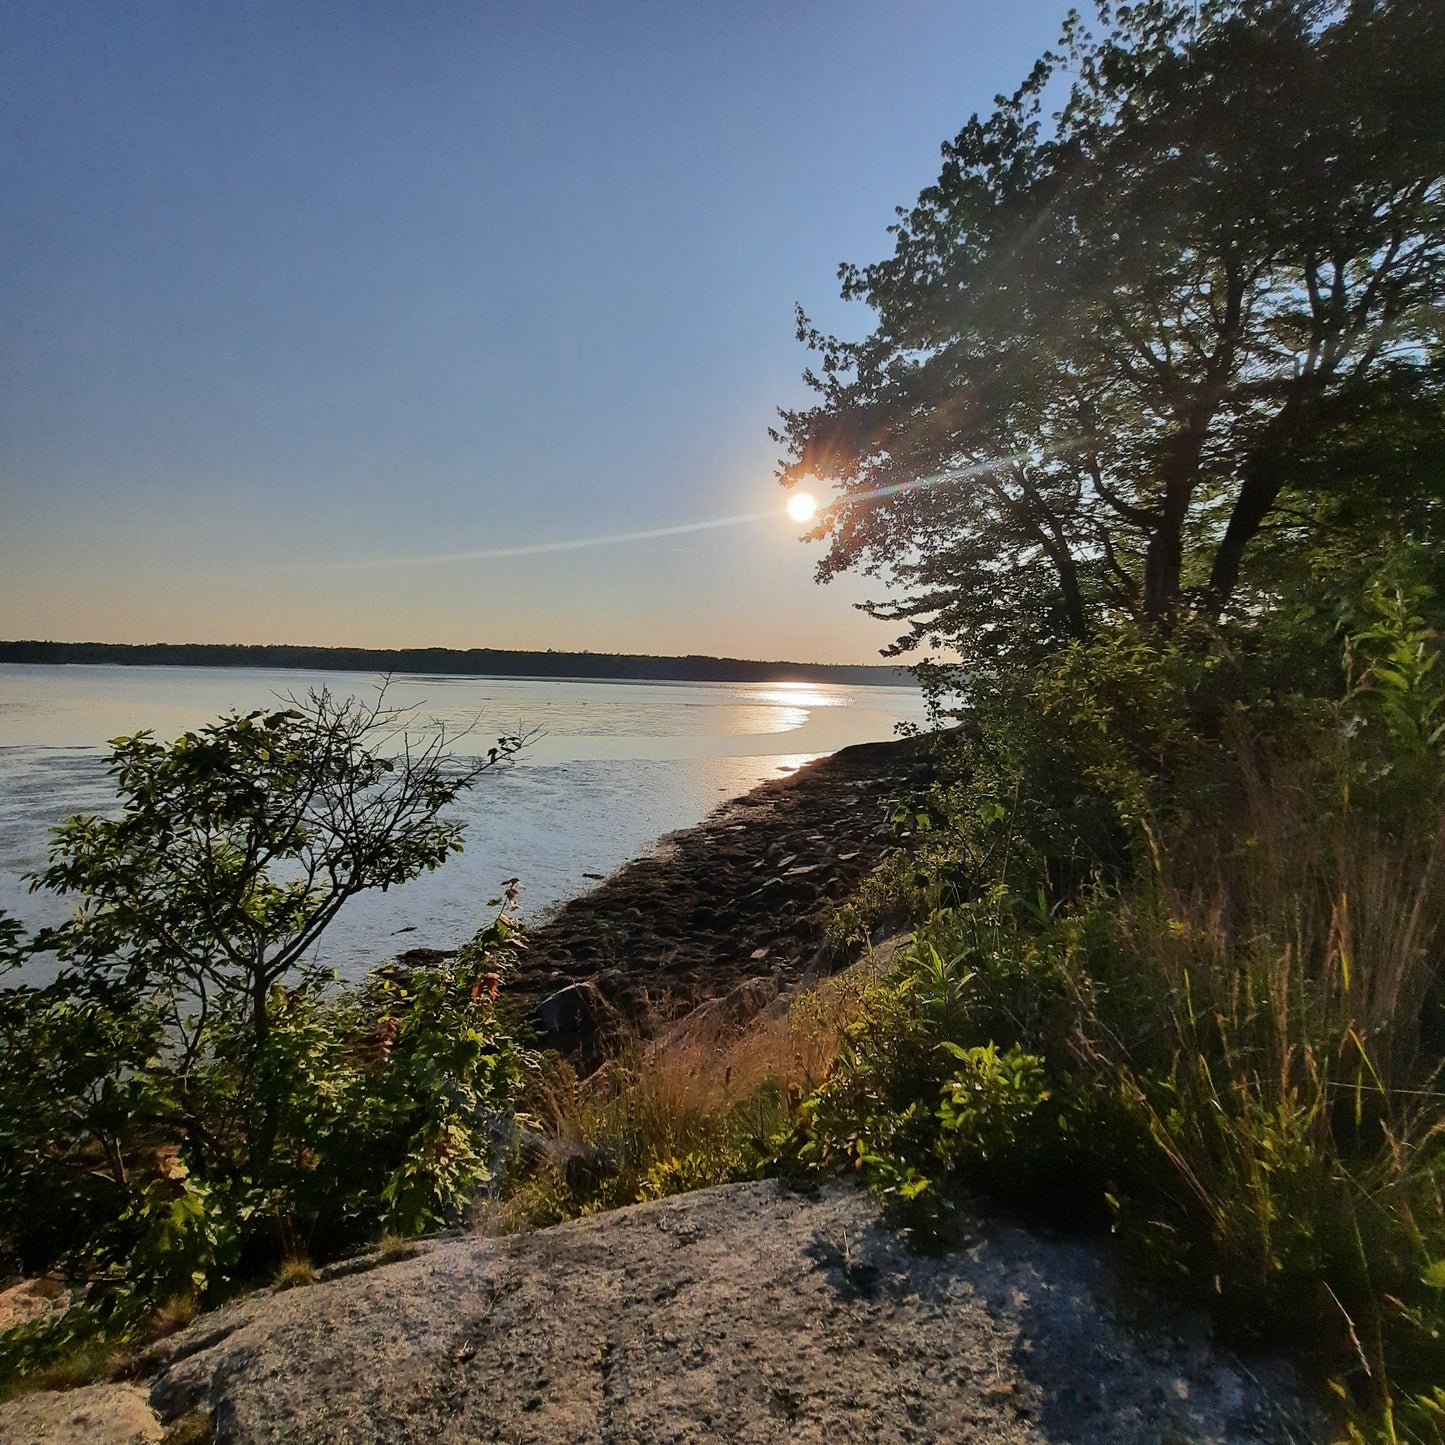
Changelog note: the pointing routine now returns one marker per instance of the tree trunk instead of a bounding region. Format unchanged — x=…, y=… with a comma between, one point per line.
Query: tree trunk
x=262, y=1133
x=1063, y=561
x=1163, y=562
x=1264, y=474
x=260, y=1019
x=1164, y=557
x=1256, y=496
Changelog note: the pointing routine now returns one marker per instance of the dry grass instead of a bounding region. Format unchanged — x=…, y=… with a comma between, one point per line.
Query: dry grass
x=697, y=1104
x=174, y=1315
x=396, y=1246
x=293, y=1273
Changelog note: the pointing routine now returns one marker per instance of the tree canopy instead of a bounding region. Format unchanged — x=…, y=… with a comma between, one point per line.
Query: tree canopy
x=1113, y=356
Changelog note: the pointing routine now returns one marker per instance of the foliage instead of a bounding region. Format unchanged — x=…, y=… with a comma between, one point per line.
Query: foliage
x=192, y=1100
x=702, y=1105
x=383, y=1102
x=1148, y=433
x=956, y=1079
x=236, y=845
x=1178, y=969
x=1177, y=353
x=1396, y=698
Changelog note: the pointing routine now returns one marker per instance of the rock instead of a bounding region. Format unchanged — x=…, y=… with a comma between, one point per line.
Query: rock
x=425, y=957
x=654, y=913
x=618, y=989
x=706, y=1022
x=572, y=1012
x=806, y=929
x=32, y=1299
x=584, y=1169
x=788, y=889
x=884, y=947
x=743, y=1314
x=92, y=1415
x=533, y=1149
x=715, y=1017
x=750, y=997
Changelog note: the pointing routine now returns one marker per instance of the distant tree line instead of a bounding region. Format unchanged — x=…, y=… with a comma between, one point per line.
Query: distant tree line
x=473, y=662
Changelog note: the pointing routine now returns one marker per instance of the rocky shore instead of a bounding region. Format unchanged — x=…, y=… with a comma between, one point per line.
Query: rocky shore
x=744, y=898
x=749, y=1312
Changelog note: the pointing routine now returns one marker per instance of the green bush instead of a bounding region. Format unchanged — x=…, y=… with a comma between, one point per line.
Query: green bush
x=134, y=1168
x=1178, y=920
x=193, y=1099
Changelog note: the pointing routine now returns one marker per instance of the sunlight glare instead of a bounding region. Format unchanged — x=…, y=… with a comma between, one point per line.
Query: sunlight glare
x=801, y=507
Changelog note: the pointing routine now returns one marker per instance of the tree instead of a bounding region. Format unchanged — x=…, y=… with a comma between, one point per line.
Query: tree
x=1100, y=354
x=193, y=1092
x=238, y=844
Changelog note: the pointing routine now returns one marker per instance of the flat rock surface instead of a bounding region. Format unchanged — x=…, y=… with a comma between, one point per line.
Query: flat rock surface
x=92, y=1415
x=746, y=1313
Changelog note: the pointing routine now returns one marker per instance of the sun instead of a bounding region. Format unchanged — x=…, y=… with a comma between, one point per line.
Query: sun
x=801, y=507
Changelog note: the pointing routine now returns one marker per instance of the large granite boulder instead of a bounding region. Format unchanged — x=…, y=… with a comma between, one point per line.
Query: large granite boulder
x=745, y=1314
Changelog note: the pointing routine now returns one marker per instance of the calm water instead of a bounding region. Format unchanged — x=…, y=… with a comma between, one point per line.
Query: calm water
x=620, y=764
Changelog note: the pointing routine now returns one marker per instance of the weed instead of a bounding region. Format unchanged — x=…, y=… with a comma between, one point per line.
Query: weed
x=294, y=1272
x=703, y=1103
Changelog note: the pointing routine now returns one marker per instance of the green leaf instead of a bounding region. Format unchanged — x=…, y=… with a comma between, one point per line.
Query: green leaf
x=1434, y=1276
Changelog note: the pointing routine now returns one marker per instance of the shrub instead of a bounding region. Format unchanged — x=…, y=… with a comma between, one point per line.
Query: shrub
x=193, y=1100
x=1176, y=967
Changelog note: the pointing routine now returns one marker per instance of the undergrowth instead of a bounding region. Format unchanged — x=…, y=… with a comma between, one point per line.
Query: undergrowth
x=698, y=1105
x=1177, y=973
x=1177, y=924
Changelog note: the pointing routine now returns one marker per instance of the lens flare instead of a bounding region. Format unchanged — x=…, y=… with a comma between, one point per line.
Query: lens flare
x=802, y=507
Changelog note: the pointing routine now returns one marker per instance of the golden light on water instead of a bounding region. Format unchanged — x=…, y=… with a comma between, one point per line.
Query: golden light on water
x=801, y=507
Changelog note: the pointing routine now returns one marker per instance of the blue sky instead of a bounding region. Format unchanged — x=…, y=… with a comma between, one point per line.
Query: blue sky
x=289, y=293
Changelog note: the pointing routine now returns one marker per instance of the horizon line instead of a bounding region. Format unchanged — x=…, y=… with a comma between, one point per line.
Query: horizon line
x=882, y=665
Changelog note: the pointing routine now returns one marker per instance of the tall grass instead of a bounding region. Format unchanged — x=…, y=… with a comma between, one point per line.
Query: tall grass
x=1270, y=997
x=702, y=1102
x=1234, y=1054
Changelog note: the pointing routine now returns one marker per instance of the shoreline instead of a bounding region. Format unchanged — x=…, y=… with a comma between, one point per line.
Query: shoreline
x=745, y=896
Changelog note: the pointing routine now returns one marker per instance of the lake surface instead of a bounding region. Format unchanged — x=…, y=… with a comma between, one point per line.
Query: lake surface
x=619, y=765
